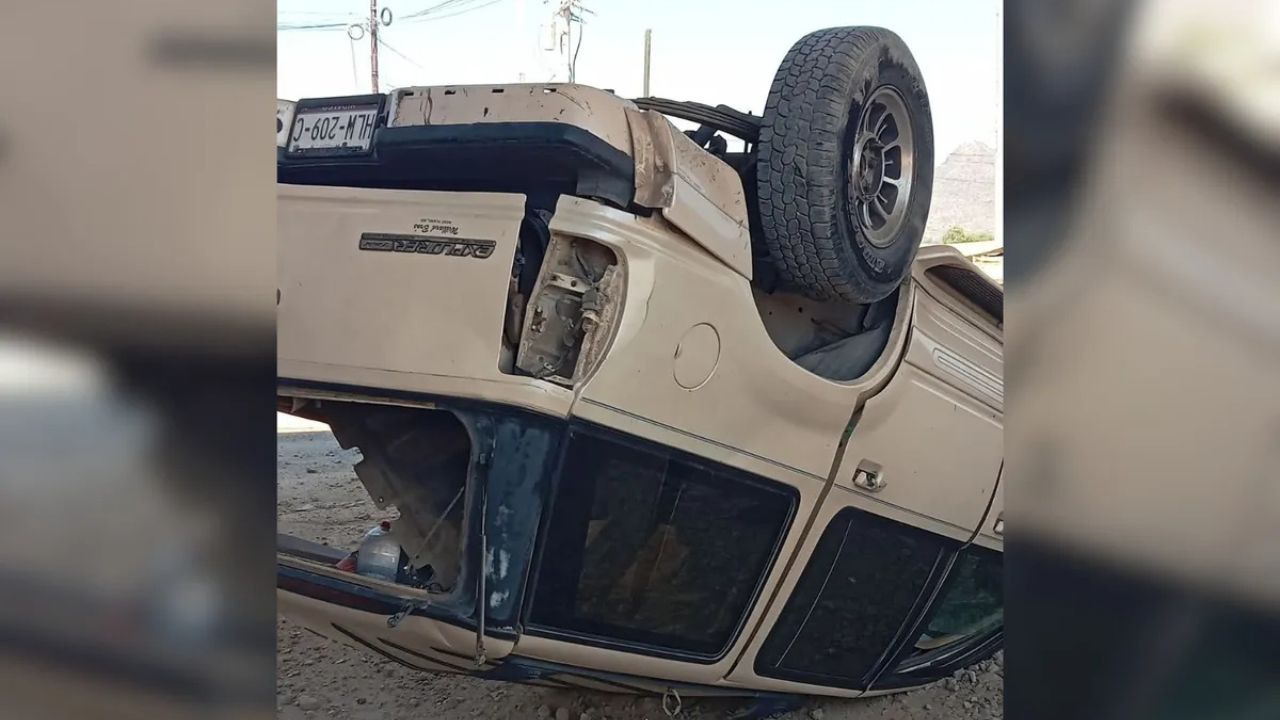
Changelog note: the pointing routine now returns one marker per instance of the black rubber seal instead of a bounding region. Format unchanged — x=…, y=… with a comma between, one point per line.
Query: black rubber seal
x=523, y=157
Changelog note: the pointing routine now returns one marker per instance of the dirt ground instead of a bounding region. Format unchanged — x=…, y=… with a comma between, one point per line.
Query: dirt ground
x=319, y=498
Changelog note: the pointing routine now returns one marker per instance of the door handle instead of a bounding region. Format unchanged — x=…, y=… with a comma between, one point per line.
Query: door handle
x=869, y=476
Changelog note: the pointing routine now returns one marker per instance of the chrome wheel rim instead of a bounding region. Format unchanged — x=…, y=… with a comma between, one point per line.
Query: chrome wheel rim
x=881, y=166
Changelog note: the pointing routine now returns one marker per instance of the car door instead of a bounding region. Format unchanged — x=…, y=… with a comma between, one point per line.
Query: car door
x=881, y=548
x=960, y=619
x=863, y=579
x=927, y=449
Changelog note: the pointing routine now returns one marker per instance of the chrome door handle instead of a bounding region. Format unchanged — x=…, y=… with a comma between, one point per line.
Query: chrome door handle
x=869, y=476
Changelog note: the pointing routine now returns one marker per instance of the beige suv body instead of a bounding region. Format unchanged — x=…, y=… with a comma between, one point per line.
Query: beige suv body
x=664, y=463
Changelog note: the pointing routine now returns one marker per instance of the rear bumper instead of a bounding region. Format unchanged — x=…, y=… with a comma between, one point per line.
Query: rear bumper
x=508, y=157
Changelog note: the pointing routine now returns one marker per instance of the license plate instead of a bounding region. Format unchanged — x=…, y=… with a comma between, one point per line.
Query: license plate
x=333, y=130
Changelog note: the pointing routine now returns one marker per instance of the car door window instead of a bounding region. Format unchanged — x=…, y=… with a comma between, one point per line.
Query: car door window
x=971, y=605
x=658, y=553
x=858, y=589
x=969, y=609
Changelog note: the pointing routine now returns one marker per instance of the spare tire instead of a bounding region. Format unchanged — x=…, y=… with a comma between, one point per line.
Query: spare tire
x=845, y=168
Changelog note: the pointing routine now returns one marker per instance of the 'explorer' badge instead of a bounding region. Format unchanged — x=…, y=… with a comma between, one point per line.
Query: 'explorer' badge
x=455, y=247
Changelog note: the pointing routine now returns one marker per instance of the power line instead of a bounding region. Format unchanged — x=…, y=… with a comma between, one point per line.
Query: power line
x=314, y=18
x=391, y=84
x=355, y=80
x=456, y=12
x=410, y=60
x=313, y=26
x=448, y=5
x=329, y=13
x=573, y=64
x=434, y=8
x=439, y=11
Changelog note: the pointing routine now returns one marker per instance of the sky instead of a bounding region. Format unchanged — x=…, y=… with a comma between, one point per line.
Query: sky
x=713, y=51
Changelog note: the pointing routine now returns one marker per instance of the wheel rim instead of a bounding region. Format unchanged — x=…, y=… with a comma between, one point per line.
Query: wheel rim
x=881, y=166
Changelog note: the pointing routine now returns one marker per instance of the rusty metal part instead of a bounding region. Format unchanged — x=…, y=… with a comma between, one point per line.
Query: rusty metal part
x=569, y=302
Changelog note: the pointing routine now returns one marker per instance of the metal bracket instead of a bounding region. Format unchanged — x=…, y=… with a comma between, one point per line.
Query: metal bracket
x=671, y=703
x=404, y=611
x=568, y=282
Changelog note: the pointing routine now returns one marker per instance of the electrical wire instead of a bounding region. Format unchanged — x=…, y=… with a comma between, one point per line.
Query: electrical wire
x=438, y=7
x=286, y=17
x=573, y=64
x=457, y=11
x=434, y=8
x=355, y=80
x=314, y=26
x=439, y=11
x=404, y=57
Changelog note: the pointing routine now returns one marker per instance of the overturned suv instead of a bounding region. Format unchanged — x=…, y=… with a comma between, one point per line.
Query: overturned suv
x=655, y=415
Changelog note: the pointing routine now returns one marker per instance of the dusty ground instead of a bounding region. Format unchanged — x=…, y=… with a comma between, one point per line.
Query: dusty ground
x=319, y=499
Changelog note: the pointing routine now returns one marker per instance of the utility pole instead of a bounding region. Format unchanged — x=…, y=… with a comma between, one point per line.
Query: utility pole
x=571, y=11
x=568, y=24
x=373, y=44
x=648, y=44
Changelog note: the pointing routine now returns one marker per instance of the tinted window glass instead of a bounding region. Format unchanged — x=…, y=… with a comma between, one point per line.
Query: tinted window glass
x=971, y=604
x=852, y=599
x=643, y=548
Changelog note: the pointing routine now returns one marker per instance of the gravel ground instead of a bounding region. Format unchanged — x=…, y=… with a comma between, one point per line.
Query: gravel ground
x=320, y=499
